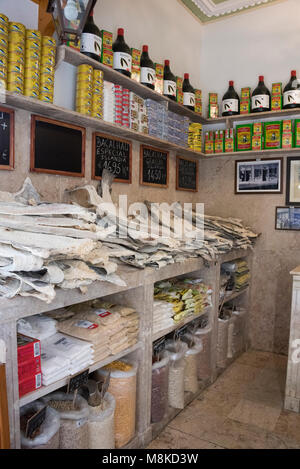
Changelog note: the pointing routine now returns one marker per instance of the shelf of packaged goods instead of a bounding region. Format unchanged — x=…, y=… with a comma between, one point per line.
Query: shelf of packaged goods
x=180, y=324
x=36, y=106
x=44, y=390
x=74, y=57
x=233, y=295
x=283, y=113
x=256, y=153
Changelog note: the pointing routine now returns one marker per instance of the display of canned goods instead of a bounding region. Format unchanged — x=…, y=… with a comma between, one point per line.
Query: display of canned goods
x=3, y=51
x=48, y=41
x=31, y=84
x=4, y=41
x=33, y=63
x=98, y=90
x=48, y=51
x=46, y=97
x=32, y=54
x=15, y=67
x=47, y=80
x=47, y=61
x=32, y=44
x=15, y=78
x=3, y=19
x=3, y=29
x=34, y=34
x=86, y=111
x=3, y=61
x=32, y=74
x=84, y=94
x=15, y=87
x=32, y=93
x=83, y=102
x=47, y=70
x=3, y=72
x=47, y=89
x=86, y=87
x=97, y=114
x=19, y=27
x=84, y=77
x=84, y=68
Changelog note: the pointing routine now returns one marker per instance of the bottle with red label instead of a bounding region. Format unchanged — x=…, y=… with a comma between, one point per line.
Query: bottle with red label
x=230, y=102
x=189, y=99
x=122, y=61
x=147, y=69
x=291, y=93
x=261, y=97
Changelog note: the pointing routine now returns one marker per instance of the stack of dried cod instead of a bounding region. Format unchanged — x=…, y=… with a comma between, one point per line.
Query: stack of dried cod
x=48, y=245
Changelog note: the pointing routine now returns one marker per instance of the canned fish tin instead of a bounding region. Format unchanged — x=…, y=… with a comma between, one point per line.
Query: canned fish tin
x=16, y=49
x=47, y=80
x=47, y=61
x=97, y=114
x=48, y=51
x=48, y=41
x=15, y=87
x=15, y=67
x=3, y=73
x=4, y=29
x=34, y=34
x=32, y=54
x=98, y=75
x=47, y=89
x=16, y=58
x=32, y=44
x=3, y=61
x=84, y=110
x=46, y=97
x=84, y=86
x=98, y=90
x=4, y=41
x=33, y=63
x=19, y=27
x=84, y=78
x=32, y=93
x=83, y=94
x=3, y=51
x=47, y=70
x=84, y=68
x=32, y=84
x=32, y=74
x=83, y=102
x=15, y=78
x=3, y=19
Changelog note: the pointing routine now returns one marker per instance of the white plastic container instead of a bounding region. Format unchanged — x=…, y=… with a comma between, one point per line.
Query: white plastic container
x=176, y=351
x=159, y=390
x=101, y=424
x=48, y=435
x=191, y=358
x=204, y=363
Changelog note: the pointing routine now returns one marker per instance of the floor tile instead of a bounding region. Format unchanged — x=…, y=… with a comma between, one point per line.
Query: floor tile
x=255, y=413
x=174, y=439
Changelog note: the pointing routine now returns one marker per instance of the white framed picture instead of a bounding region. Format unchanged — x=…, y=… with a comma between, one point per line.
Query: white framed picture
x=258, y=176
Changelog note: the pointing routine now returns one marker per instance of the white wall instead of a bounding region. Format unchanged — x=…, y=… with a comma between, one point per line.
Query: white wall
x=265, y=41
x=21, y=11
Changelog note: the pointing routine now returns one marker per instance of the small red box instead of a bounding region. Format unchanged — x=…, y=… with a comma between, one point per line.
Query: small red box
x=30, y=384
x=29, y=368
x=28, y=348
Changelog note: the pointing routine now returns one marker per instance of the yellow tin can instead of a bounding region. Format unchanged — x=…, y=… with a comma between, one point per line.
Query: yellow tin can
x=32, y=93
x=98, y=83
x=46, y=97
x=15, y=87
x=88, y=95
x=47, y=89
x=97, y=114
x=15, y=78
x=4, y=19
x=16, y=38
x=18, y=27
x=48, y=41
x=47, y=50
x=84, y=110
x=3, y=72
x=47, y=70
x=32, y=84
x=32, y=54
x=16, y=58
x=47, y=80
x=83, y=101
x=4, y=41
x=3, y=51
x=84, y=85
x=15, y=67
x=33, y=63
x=32, y=44
x=98, y=90
x=4, y=29
x=34, y=34
x=84, y=79
x=47, y=61
x=98, y=75
x=85, y=68
x=16, y=49
x=32, y=74
x=3, y=61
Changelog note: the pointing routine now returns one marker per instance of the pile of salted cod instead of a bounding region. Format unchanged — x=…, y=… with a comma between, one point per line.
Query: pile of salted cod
x=70, y=245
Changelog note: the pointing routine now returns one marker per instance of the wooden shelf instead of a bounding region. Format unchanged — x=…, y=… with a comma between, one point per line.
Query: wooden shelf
x=234, y=295
x=256, y=154
x=44, y=390
x=73, y=57
x=254, y=116
x=18, y=101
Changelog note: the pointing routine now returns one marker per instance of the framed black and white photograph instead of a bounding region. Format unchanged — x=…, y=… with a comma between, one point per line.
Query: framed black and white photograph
x=287, y=218
x=258, y=176
x=293, y=181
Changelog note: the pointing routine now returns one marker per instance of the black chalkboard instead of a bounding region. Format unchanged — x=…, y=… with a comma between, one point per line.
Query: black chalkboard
x=113, y=154
x=6, y=138
x=35, y=422
x=78, y=380
x=186, y=174
x=57, y=147
x=154, y=167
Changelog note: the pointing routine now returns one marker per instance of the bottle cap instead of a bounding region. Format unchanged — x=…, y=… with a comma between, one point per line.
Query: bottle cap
x=120, y=32
x=145, y=48
x=261, y=78
x=293, y=73
x=167, y=62
x=231, y=83
x=186, y=76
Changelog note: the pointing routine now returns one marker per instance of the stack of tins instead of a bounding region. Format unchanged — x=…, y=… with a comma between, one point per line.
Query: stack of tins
x=118, y=90
x=33, y=47
x=47, y=69
x=84, y=89
x=16, y=57
x=125, y=107
x=97, y=103
x=3, y=50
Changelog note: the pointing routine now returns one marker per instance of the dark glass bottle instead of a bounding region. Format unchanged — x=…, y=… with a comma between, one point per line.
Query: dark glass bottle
x=291, y=93
x=122, y=55
x=230, y=102
x=170, y=86
x=188, y=93
x=261, y=97
x=147, y=69
x=91, y=41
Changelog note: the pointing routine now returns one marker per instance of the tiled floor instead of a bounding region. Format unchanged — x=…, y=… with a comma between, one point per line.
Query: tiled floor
x=243, y=409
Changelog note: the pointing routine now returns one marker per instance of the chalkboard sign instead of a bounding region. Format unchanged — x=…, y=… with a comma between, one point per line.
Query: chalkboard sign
x=35, y=422
x=154, y=167
x=78, y=380
x=6, y=138
x=113, y=154
x=57, y=147
x=186, y=174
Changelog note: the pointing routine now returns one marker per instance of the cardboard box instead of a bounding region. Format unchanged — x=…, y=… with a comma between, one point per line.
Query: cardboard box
x=297, y=133
x=159, y=80
x=29, y=368
x=213, y=111
x=179, y=97
x=244, y=134
x=287, y=140
x=258, y=128
x=136, y=73
x=107, y=57
x=245, y=93
x=28, y=348
x=136, y=57
x=107, y=39
x=179, y=83
x=245, y=106
x=257, y=142
x=198, y=95
x=272, y=135
x=213, y=98
x=30, y=384
x=287, y=126
x=276, y=103
x=276, y=89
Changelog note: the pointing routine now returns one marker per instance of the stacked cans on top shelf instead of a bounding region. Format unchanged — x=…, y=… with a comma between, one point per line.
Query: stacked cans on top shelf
x=47, y=69
x=3, y=50
x=33, y=48
x=122, y=105
x=16, y=57
x=89, y=91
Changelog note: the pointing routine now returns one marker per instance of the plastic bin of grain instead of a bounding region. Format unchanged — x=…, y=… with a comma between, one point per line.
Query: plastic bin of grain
x=204, y=363
x=176, y=351
x=159, y=389
x=47, y=436
x=222, y=343
x=73, y=421
x=191, y=358
x=231, y=326
x=102, y=424
x=123, y=387
x=239, y=332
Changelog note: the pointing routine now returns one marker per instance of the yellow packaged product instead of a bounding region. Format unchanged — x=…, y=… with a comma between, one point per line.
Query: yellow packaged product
x=15, y=78
x=47, y=89
x=34, y=34
x=48, y=41
x=3, y=51
x=47, y=61
x=33, y=63
x=32, y=84
x=84, y=86
x=3, y=29
x=83, y=94
x=17, y=48
x=4, y=19
x=15, y=87
x=32, y=44
x=32, y=74
x=32, y=54
x=46, y=97
x=48, y=51
x=31, y=93
x=47, y=80
x=84, y=110
x=16, y=27
x=15, y=67
x=3, y=73
x=3, y=62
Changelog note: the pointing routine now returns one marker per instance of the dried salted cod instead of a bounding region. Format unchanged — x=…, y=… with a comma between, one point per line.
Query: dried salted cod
x=47, y=209
x=13, y=259
x=78, y=274
x=31, y=286
x=26, y=196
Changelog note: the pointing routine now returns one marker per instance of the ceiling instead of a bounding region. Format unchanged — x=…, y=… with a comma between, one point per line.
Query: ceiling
x=210, y=10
